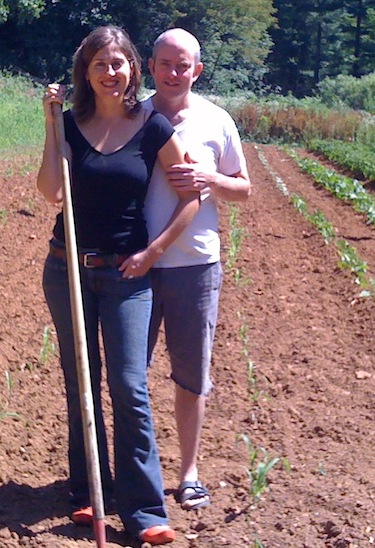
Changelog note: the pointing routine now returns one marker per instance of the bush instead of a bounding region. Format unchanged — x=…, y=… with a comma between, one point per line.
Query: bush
x=356, y=93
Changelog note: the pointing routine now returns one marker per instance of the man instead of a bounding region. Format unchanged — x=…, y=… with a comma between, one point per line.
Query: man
x=187, y=278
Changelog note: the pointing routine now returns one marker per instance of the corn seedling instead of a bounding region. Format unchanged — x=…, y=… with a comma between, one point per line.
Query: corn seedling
x=370, y=292
x=30, y=205
x=255, y=392
x=238, y=277
x=236, y=236
x=48, y=349
x=244, y=337
x=321, y=469
x=4, y=405
x=258, y=469
x=3, y=216
x=258, y=543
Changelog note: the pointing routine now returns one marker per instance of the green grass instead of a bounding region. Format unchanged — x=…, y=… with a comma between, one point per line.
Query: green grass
x=21, y=115
x=47, y=351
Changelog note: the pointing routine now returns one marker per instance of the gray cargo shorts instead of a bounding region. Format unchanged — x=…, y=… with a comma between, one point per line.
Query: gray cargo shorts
x=187, y=299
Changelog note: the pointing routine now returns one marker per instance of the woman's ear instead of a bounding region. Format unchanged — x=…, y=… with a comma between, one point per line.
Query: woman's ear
x=132, y=70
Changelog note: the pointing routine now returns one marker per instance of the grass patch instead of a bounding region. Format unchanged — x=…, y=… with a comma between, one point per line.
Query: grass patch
x=21, y=115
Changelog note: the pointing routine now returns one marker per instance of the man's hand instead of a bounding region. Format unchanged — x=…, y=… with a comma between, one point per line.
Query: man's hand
x=189, y=177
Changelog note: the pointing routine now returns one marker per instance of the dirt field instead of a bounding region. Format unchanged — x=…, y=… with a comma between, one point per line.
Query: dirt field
x=310, y=400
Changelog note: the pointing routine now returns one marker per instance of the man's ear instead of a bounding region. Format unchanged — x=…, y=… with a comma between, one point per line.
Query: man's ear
x=197, y=71
x=151, y=64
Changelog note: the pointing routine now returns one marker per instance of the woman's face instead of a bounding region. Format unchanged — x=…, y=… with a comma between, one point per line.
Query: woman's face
x=109, y=73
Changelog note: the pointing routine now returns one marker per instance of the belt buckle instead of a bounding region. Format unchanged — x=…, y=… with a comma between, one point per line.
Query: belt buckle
x=85, y=257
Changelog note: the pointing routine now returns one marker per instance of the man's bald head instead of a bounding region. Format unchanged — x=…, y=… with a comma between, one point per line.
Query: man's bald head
x=180, y=38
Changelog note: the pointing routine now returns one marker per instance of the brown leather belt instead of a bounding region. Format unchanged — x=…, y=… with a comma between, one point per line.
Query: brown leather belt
x=91, y=260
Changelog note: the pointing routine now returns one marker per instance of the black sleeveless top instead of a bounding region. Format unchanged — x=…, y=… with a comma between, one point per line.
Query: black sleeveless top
x=108, y=190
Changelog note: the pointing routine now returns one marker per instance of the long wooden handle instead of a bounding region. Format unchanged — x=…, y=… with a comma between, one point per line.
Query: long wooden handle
x=80, y=342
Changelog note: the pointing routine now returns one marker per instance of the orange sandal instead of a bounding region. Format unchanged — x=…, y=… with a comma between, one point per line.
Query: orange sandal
x=83, y=516
x=159, y=534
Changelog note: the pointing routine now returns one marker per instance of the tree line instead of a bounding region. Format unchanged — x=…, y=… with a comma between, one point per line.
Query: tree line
x=251, y=45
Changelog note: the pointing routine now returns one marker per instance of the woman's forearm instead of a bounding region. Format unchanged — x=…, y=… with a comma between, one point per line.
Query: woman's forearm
x=49, y=180
x=183, y=214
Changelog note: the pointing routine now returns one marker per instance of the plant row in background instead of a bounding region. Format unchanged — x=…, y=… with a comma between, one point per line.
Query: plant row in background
x=340, y=186
x=349, y=258
x=356, y=157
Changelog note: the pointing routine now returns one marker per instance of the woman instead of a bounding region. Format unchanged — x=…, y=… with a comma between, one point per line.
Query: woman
x=113, y=145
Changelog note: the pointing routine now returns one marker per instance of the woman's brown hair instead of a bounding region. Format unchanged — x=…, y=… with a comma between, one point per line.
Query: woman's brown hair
x=83, y=95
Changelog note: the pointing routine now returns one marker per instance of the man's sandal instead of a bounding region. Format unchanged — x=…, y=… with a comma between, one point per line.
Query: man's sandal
x=158, y=534
x=189, y=491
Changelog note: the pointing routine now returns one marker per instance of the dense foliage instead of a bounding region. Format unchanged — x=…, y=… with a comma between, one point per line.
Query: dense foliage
x=288, y=45
x=234, y=36
x=315, y=39
x=356, y=93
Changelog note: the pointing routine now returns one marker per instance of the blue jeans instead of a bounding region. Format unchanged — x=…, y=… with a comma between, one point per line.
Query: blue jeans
x=122, y=308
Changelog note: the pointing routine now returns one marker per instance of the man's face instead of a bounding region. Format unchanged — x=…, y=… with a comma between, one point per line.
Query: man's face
x=174, y=70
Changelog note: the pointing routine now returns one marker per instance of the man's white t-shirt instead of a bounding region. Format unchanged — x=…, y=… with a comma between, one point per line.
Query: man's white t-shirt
x=211, y=139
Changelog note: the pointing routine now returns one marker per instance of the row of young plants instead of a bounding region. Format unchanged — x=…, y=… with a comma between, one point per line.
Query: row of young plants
x=348, y=256
x=358, y=158
x=260, y=460
x=340, y=186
